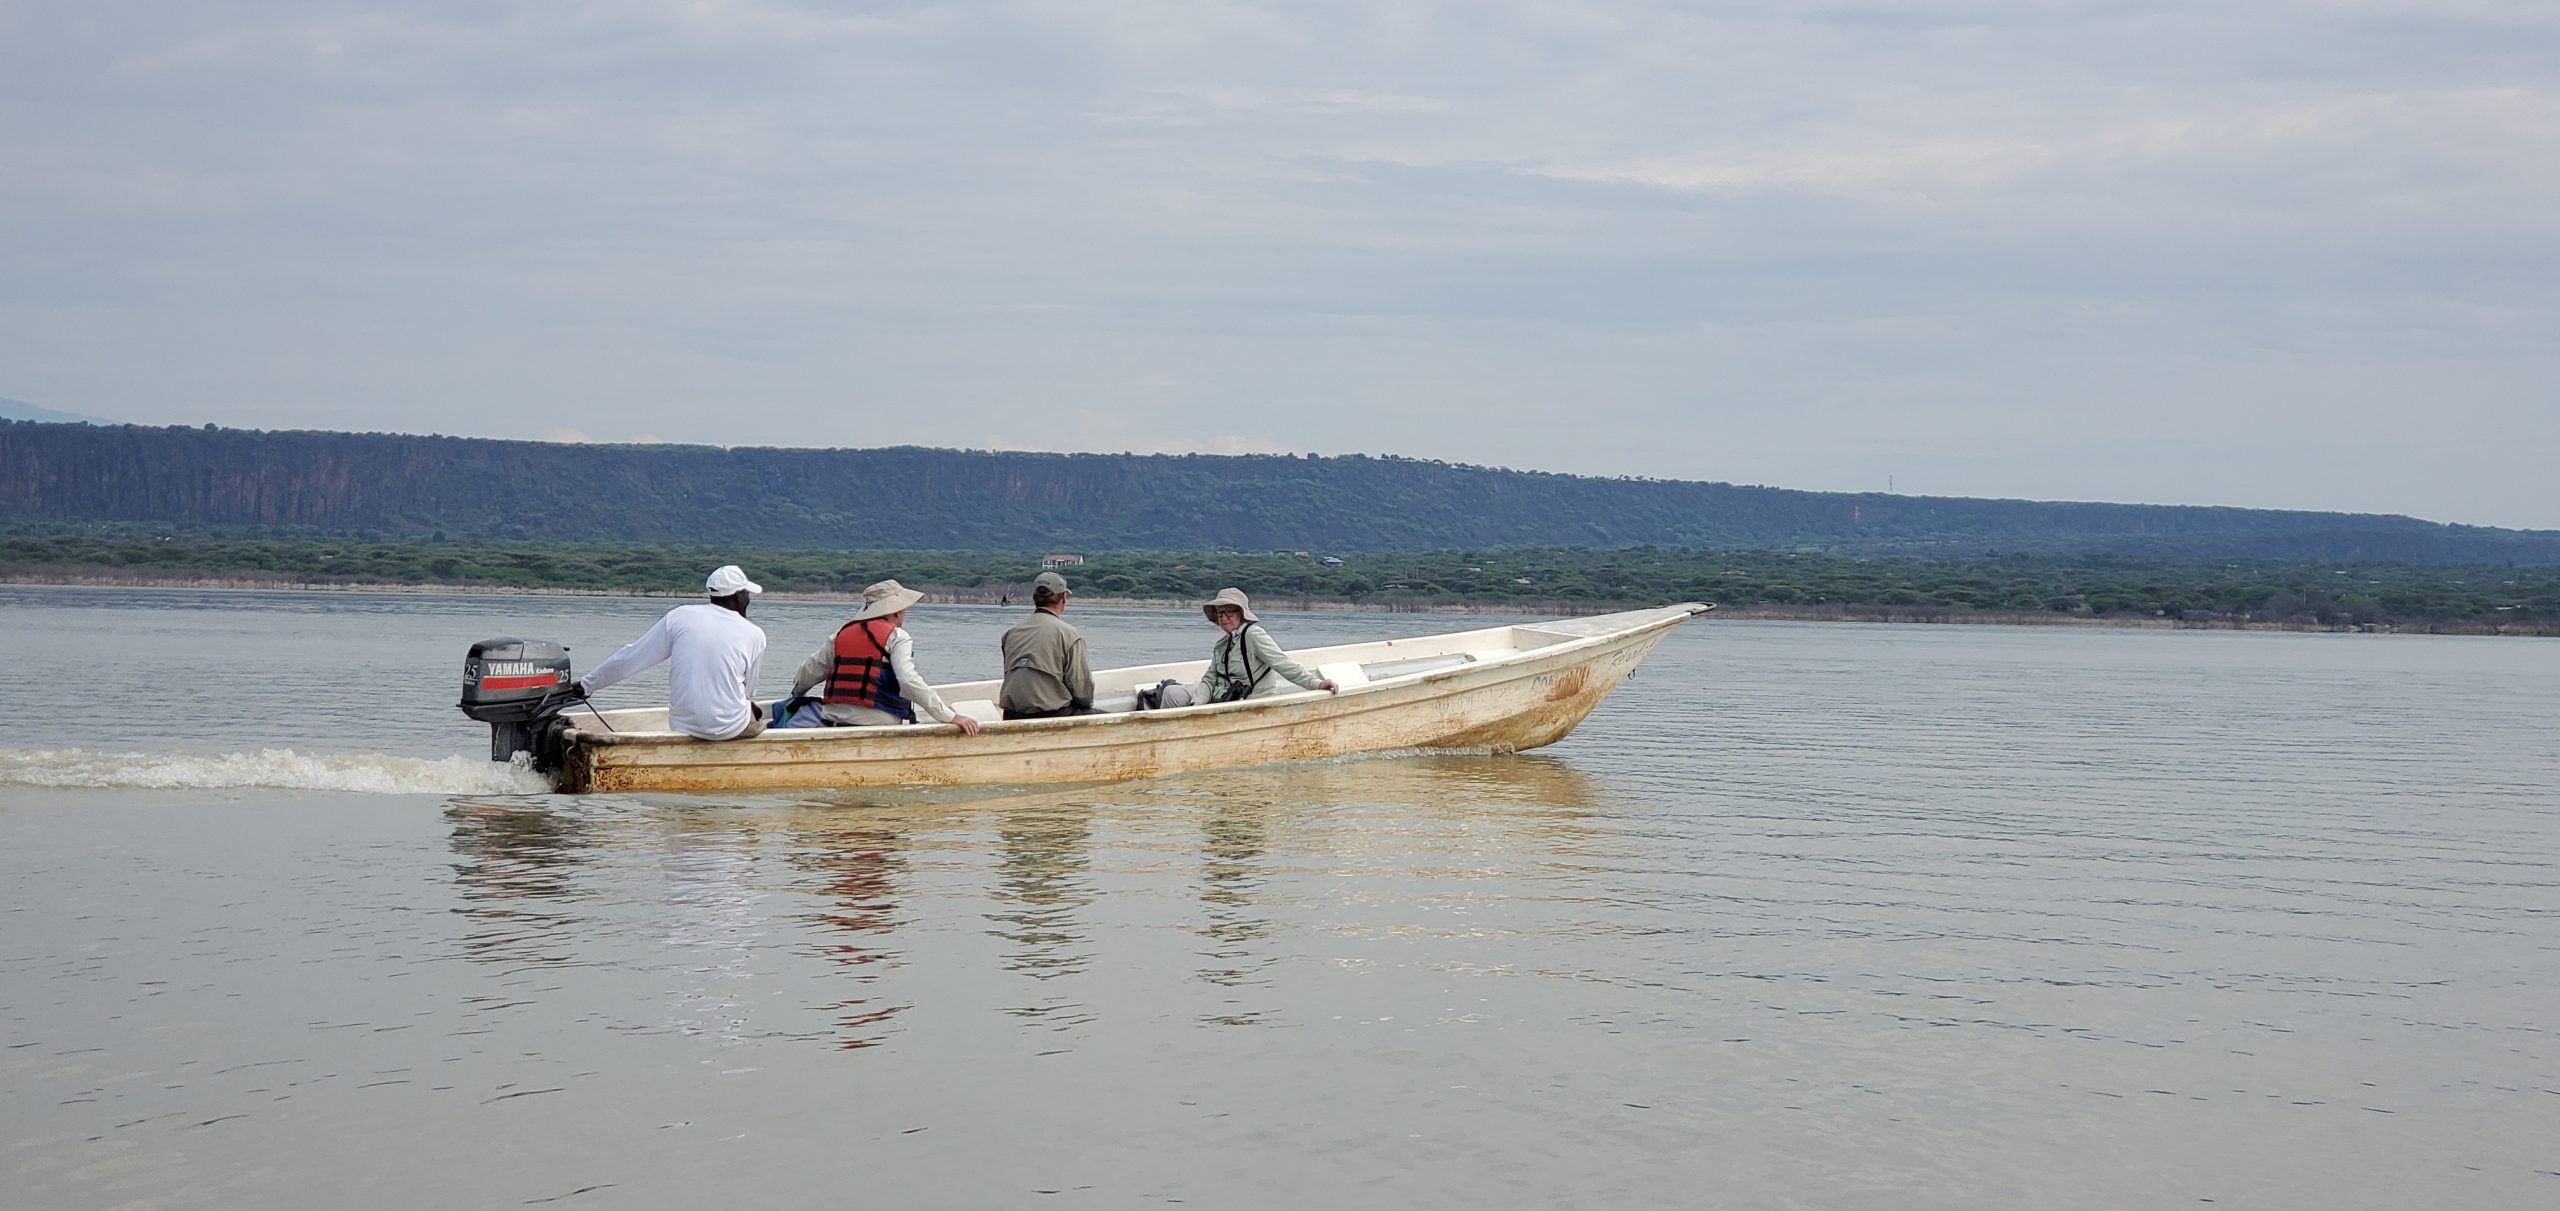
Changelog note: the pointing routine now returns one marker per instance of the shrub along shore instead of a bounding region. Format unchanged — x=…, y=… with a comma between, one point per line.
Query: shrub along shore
x=1991, y=588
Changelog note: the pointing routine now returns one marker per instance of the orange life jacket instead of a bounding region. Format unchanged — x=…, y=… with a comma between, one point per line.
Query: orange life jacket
x=862, y=675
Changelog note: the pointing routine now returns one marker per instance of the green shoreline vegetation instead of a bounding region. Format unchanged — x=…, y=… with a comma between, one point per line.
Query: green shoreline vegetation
x=2476, y=599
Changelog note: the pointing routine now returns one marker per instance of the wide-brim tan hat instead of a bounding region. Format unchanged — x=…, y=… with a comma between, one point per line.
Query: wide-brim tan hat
x=1229, y=597
x=886, y=598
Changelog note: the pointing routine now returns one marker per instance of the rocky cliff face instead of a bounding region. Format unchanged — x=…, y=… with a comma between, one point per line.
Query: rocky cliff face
x=917, y=499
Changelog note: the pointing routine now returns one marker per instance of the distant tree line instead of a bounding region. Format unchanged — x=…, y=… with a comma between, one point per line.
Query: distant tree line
x=2108, y=587
x=394, y=486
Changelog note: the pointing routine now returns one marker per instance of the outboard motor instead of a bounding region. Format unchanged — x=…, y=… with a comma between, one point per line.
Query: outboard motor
x=515, y=686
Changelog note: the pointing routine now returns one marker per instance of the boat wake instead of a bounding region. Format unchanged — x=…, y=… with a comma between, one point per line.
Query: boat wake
x=277, y=768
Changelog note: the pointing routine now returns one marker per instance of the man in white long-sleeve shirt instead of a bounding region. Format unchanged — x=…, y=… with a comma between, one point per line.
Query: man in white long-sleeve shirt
x=712, y=654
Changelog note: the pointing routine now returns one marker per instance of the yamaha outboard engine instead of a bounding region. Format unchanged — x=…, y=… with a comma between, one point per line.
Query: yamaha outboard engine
x=515, y=686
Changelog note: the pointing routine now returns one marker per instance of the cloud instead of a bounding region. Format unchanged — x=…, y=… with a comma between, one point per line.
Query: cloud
x=1890, y=171
x=1219, y=443
x=1748, y=241
x=1206, y=105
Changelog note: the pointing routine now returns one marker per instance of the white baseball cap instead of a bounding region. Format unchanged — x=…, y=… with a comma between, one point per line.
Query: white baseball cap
x=727, y=579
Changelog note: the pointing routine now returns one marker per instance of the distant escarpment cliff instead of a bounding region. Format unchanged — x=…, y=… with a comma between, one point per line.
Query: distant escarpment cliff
x=394, y=485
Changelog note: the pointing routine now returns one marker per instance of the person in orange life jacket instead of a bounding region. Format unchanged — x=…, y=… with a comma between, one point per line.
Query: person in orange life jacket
x=869, y=670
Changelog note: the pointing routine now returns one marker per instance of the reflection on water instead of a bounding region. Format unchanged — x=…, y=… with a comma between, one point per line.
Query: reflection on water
x=857, y=861
x=1043, y=877
x=1043, y=880
x=1233, y=839
x=1543, y=786
x=514, y=859
x=712, y=921
x=712, y=892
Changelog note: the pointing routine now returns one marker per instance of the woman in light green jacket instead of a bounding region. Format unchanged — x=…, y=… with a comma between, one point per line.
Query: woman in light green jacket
x=1247, y=662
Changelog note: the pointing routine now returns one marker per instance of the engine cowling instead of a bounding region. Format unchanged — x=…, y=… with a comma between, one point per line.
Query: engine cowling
x=514, y=686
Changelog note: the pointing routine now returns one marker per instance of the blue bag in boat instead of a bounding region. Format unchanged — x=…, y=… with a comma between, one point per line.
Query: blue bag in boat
x=807, y=710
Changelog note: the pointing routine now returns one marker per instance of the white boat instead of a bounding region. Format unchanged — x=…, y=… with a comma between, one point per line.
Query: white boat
x=1498, y=689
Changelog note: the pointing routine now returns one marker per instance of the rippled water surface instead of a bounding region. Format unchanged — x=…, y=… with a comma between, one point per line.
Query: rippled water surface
x=1805, y=916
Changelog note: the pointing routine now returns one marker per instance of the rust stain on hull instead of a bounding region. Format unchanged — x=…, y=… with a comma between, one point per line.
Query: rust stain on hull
x=1544, y=724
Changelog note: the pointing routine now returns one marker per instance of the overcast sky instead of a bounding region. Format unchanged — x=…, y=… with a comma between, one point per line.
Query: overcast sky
x=2266, y=252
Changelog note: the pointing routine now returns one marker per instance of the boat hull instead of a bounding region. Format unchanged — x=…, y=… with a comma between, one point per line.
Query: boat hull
x=1523, y=701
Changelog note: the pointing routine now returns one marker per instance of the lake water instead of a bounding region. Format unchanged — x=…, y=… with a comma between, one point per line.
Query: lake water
x=1806, y=915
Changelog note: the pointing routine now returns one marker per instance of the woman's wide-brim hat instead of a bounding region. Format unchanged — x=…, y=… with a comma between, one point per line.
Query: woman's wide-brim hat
x=1228, y=597
x=886, y=598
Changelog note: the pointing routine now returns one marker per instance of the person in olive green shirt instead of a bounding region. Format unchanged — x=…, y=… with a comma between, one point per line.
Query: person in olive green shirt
x=1246, y=661
x=1045, y=674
